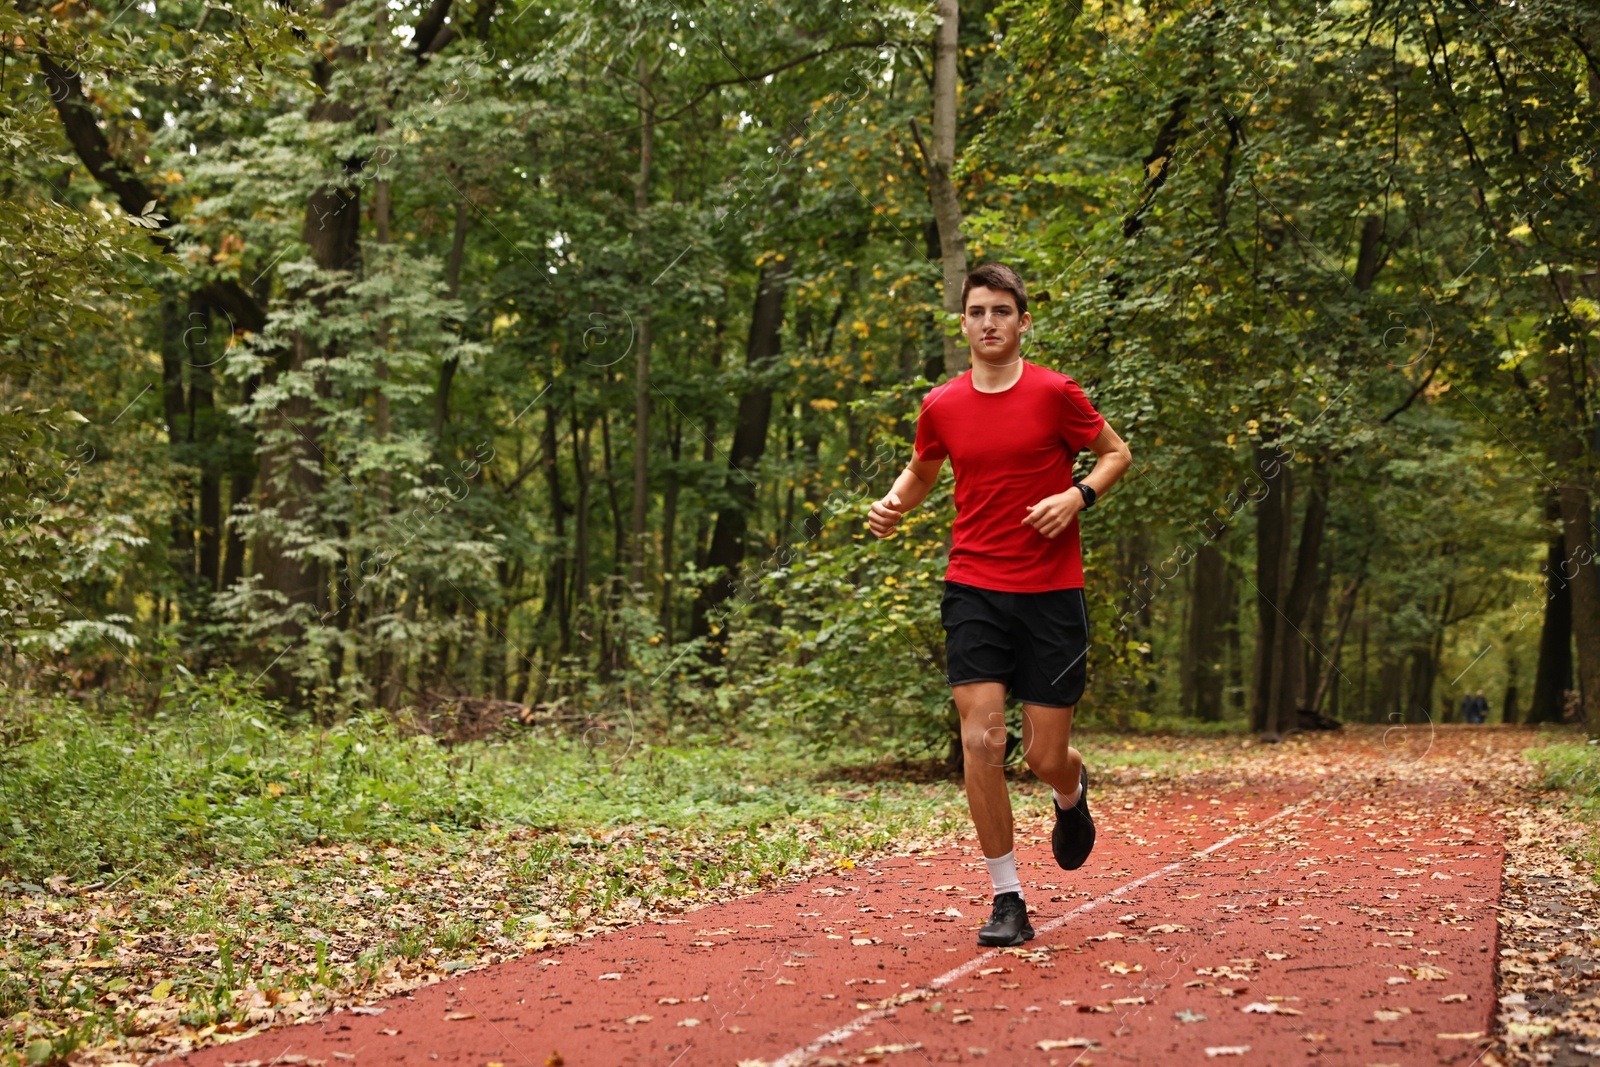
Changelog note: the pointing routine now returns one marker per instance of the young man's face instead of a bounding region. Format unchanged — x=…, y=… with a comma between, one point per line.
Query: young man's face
x=991, y=324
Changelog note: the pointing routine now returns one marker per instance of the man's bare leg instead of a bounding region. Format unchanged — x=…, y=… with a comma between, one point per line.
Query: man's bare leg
x=982, y=706
x=1046, y=739
x=1047, y=744
x=983, y=740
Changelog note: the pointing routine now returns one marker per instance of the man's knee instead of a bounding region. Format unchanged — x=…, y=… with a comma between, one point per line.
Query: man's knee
x=1048, y=765
x=984, y=740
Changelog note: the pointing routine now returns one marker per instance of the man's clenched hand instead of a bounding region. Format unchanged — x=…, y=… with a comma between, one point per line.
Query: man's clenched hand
x=884, y=515
x=1054, y=514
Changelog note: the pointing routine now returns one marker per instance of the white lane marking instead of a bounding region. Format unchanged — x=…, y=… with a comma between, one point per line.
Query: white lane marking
x=866, y=1019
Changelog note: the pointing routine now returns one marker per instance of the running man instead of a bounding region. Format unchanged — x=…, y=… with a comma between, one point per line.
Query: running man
x=1014, y=611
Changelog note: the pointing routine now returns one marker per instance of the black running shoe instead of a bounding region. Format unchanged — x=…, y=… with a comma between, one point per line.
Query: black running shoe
x=1008, y=924
x=1073, y=838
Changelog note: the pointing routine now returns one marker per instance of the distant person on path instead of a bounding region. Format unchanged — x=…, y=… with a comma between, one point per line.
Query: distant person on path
x=1468, y=703
x=1480, y=708
x=1014, y=611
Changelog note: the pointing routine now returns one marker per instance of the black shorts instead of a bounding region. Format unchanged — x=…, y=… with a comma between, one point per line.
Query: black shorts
x=1036, y=643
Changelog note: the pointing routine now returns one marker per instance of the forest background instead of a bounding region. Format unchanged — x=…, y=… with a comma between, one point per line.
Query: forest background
x=438, y=436
x=385, y=356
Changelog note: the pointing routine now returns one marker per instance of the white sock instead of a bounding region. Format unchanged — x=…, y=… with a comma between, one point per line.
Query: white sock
x=1067, y=802
x=1003, y=873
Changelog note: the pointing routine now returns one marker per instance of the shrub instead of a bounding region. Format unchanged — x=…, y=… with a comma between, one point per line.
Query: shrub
x=210, y=775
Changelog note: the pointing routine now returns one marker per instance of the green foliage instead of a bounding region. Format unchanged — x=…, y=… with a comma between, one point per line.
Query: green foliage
x=1571, y=767
x=855, y=653
x=214, y=776
x=75, y=260
x=1191, y=186
x=210, y=777
x=408, y=474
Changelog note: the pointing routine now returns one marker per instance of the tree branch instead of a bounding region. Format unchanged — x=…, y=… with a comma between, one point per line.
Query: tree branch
x=88, y=140
x=1418, y=391
x=707, y=88
x=916, y=135
x=1160, y=155
x=432, y=33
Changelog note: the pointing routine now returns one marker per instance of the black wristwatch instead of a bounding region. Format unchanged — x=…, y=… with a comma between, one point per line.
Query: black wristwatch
x=1088, y=493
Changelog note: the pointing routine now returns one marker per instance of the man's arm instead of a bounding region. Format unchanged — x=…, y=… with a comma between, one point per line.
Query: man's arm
x=910, y=489
x=1054, y=514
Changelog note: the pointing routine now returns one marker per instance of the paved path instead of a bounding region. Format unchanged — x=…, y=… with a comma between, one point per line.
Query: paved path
x=1348, y=918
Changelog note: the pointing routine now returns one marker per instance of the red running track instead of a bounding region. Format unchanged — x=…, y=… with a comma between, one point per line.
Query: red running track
x=1218, y=927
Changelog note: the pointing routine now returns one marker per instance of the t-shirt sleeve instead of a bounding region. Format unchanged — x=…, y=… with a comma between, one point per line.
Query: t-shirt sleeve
x=1079, y=422
x=928, y=445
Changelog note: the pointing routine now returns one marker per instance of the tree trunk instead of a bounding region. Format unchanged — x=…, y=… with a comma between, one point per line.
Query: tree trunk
x=1574, y=460
x=1281, y=682
x=1288, y=673
x=1553, y=675
x=1142, y=585
x=240, y=482
x=1364, y=696
x=1386, y=708
x=290, y=478
x=619, y=536
x=1335, y=689
x=203, y=431
x=291, y=472
x=1186, y=662
x=1330, y=677
x=1296, y=604
x=210, y=525
x=941, y=168
x=1436, y=646
x=555, y=585
x=784, y=531
x=641, y=361
x=1237, y=692
x=380, y=370
x=1508, y=709
x=447, y=369
x=1207, y=618
x=749, y=444
x=580, y=469
x=708, y=453
x=1580, y=565
x=669, y=526
x=332, y=230
x=1273, y=516
x=174, y=325
x=1419, y=698
x=1318, y=661
x=639, y=539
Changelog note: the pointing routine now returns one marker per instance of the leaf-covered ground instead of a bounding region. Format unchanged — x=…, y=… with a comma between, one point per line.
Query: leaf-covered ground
x=1550, y=940
x=139, y=970
x=143, y=967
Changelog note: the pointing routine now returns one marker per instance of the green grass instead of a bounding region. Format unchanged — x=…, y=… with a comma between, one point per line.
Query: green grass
x=1573, y=767
x=214, y=778
x=211, y=777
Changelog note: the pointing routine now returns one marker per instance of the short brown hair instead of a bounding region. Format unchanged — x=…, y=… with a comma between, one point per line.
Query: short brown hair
x=996, y=276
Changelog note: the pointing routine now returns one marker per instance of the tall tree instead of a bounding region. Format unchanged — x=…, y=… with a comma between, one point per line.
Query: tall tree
x=728, y=538
x=941, y=174
x=1208, y=615
x=641, y=358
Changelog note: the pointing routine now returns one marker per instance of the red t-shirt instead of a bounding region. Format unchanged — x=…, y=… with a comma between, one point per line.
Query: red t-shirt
x=1009, y=450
